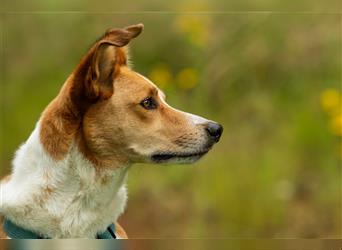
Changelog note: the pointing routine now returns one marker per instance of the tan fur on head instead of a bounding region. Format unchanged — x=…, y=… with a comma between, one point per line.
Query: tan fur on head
x=90, y=81
x=99, y=107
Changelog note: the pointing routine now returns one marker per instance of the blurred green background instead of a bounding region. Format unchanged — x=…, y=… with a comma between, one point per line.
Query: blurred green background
x=272, y=79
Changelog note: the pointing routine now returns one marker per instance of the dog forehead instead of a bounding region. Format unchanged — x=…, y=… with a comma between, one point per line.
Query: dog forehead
x=135, y=82
x=146, y=80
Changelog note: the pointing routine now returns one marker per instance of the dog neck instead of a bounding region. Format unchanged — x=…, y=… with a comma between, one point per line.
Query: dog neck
x=65, y=198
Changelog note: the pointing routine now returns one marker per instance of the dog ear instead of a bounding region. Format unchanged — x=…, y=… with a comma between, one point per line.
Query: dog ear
x=107, y=59
x=121, y=37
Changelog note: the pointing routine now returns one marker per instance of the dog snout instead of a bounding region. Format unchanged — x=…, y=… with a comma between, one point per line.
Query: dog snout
x=214, y=130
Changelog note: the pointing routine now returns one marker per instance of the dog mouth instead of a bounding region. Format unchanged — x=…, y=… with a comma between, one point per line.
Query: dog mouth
x=177, y=157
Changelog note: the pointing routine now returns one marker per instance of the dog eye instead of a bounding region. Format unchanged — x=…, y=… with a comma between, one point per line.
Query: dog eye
x=148, y=103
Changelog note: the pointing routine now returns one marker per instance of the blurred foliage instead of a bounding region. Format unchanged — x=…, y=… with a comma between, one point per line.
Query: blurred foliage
x=273, y=81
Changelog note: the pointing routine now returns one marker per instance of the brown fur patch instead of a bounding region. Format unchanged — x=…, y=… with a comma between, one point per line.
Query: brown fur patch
x=47, y=192
x=62, y=118
x=120, y=232
x=7, y=178
x=3, y=235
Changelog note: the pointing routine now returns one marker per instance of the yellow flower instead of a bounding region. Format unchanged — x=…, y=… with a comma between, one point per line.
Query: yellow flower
x=331, y=101
x=161, y=75
x=187, y=78
x=336, y=125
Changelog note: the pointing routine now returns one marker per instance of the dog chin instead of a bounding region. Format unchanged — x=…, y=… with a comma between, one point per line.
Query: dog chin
x=174, y=157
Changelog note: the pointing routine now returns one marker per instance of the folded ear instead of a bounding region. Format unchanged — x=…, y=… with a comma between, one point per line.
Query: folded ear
x=121, y=37
x=107, y=59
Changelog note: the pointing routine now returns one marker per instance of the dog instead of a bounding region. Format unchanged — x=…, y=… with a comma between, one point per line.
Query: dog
x=68, y=178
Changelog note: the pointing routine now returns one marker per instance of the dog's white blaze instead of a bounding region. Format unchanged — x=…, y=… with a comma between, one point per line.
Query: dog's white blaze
x=197, y=120
x=79, y=207
x=194, y=119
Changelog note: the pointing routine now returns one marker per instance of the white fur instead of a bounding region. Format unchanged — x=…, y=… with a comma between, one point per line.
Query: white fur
x=79, y=206
x=197, y=120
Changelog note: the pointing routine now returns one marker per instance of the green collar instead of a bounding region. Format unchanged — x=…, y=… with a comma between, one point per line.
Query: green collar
x=16, y=232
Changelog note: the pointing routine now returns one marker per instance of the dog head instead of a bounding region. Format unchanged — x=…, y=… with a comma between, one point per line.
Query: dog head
x=122, y=116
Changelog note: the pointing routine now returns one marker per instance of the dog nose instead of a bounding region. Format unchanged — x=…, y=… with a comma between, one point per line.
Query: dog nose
x=214, y=130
